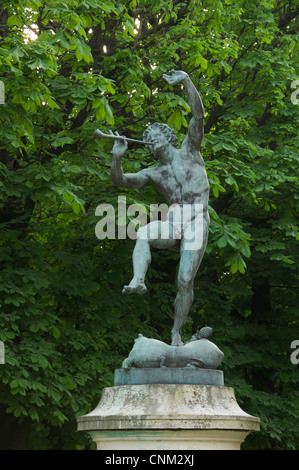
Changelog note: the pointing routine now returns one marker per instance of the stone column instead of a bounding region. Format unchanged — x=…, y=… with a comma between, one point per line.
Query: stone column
x=168, y=417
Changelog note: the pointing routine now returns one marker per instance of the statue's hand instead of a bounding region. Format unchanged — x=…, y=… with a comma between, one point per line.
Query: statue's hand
x=175, y=76
x=120, y=146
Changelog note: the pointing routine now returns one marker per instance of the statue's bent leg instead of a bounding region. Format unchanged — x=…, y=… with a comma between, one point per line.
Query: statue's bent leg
x=156, y=234
x=189, y=264
x=141, y=262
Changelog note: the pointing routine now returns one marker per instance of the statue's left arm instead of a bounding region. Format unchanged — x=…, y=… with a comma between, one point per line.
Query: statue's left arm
x=196, y=125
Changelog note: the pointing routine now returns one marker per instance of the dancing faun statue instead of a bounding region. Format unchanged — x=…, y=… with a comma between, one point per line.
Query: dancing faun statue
x=180, y=177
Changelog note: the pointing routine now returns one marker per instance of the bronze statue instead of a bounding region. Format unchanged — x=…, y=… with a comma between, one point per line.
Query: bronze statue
x=181, y=178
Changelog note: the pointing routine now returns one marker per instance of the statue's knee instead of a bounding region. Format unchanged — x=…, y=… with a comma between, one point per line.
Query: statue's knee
x=185, y=284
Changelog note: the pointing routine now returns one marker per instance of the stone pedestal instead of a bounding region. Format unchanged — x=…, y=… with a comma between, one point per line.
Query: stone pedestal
x=168, y=375
x=168, y=417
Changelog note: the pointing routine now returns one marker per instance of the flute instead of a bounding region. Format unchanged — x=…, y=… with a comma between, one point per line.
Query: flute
x=100, y=134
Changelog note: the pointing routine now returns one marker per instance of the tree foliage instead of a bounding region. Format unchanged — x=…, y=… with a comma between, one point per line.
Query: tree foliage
x=73, y=66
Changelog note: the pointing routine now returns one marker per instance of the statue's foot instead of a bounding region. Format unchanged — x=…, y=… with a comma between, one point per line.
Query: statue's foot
x=135, y=288
x=176, y=340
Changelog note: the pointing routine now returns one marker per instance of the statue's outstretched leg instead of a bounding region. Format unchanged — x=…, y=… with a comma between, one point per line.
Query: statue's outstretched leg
x=141, y=262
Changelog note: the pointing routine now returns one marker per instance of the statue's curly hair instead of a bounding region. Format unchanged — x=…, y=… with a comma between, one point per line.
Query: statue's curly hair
x=167, y=131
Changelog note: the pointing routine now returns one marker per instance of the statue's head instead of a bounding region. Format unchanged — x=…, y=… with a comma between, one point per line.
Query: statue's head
x=160, y=135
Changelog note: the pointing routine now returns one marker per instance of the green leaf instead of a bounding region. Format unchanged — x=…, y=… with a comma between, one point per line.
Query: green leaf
x=62, y=40
x=175, y=120
x=99, y=105
x=83, y=51
x=200, y=60
x=52, y=104
x=56, y=332
x=108, y=114
x=222, y=241
x=226, y=66
x=33, y=414
x=280, y=257
x=61, y=141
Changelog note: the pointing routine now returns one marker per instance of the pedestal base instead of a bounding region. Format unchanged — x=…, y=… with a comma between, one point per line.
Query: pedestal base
x=168, y=417
x=169, y=440
x=168, y=375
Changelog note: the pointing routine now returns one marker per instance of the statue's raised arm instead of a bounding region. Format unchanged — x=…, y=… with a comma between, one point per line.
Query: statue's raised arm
x=196, y=126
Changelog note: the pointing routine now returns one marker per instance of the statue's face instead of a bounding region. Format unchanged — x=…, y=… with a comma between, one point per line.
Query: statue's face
x=158, y=139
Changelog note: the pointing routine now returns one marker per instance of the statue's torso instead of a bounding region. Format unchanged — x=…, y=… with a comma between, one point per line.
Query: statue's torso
x=183, y=180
